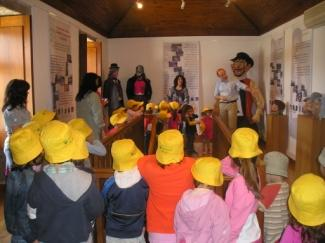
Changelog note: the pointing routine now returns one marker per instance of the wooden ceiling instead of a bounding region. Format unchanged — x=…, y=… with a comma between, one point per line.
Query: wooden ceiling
x=121, y=18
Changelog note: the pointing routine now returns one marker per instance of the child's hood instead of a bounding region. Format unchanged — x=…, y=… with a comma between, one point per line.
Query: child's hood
x=194, y=206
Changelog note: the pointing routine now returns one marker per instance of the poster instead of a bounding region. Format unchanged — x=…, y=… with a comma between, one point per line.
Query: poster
x=61, y=70
x=301, y=80
x=277, y=70
x=183, y=58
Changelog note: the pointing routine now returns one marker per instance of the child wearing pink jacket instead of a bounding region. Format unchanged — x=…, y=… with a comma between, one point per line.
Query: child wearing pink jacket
x=243, y=192
x=201, y=215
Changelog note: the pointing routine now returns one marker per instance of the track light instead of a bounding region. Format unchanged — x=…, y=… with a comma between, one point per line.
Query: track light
x=139, y=4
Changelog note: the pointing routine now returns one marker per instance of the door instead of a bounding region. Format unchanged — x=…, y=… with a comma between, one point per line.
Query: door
x=15, y=58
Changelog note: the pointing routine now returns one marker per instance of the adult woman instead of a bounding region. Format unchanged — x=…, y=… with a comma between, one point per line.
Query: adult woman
x=179, y=91
x=88, y=103
x=14, y=112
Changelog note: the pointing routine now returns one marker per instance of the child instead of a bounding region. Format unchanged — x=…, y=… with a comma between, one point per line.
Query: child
x=243, y=192
x=63, y=200
x=277, y=107
x=117, y=120
x=15, y=113
x=174, y=121
x=125, y=195
x=208, y=131
x=190, y=129
x=201, y=215
x=25, y=149
x=135, y=109
x=307, y=208
x=321, y=160
x=168, y=175
x=275, y=195
x=226, y=93
x=43, y=116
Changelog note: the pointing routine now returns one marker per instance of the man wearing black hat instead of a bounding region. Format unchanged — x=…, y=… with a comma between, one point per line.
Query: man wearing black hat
x=249, y=100
x=112, y=89
x=138, y=86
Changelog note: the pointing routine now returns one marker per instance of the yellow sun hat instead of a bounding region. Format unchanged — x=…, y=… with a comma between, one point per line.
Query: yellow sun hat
x=244, y=144
x=170, y=147
x=163, y=105
x=118, y=110
x=164, y=115
x=80, y=125
x=205, y=109
x=133, y=103
x=24, y=146
x=58, y=142
x=307, y=200
x=35, y=126
x=125, y=154
x=174, y=105
x=150, y=106
x=118, y=118
x=81, y=151
x=43, y=116
x=207, y=170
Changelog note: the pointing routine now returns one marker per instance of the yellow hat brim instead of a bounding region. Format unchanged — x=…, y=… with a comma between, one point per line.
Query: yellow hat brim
x=245, y=155
x=81, y=150
x=166, y=159
x=131, y=162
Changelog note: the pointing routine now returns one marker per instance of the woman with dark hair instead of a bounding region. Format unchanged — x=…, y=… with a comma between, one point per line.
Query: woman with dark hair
x=179, y=91
x=14, y=112
x=88, y=103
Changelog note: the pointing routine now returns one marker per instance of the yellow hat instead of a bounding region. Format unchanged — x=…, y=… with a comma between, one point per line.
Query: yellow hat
x=307, y=200
x=164, y=115
x=118, y=118
x=170, y=147
x=133, y=103
x=244, y=144
x=205, y=109
x=43, y=116
x=58, y=142
x=81, y=125
x=81, y=151
x=118, y=110
x=35, y=126
x=125, y=154
x=174, y=105
x=163, y=105
x=24, y=146
x=207, y=170
x=150, y=106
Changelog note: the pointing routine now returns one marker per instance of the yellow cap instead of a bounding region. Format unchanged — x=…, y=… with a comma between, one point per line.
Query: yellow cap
x=118, y=110
x=81, y=125
x=125, y=154
x=307, y=200
x=163, y=105
x=24, y=146
x=118, y=118
x=58, y=142
x=150, y=106
x=43, y=116
x=207, y=170
x=205, y=109
x=133, y=103
x=244, y=144
x=170, y=147
x=174, y=105
x=34, y=126
x=81, y=151
x=164, y=115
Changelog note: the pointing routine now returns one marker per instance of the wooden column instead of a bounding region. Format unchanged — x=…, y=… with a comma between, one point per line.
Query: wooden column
x=276, y=133
x=310, y=141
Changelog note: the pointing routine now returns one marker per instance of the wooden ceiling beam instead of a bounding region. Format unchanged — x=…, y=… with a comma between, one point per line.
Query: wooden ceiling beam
x=242, y=12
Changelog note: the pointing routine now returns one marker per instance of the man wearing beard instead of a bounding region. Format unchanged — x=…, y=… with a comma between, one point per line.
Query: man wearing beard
x=138, y=86
x=251, y=104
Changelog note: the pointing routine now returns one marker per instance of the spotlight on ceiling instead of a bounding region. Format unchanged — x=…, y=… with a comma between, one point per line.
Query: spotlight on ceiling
x=183, y=4
x=228, y=2
x=139, y=4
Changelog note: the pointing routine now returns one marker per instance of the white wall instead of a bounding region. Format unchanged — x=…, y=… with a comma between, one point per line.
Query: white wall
x=215, y=53
x=40, y=13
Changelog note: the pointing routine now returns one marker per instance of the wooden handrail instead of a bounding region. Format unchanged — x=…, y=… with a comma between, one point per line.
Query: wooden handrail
x=152, y=141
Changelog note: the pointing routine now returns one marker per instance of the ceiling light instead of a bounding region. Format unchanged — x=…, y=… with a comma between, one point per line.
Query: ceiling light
x=139, y=4
x=183, y=4
x=227, y=3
